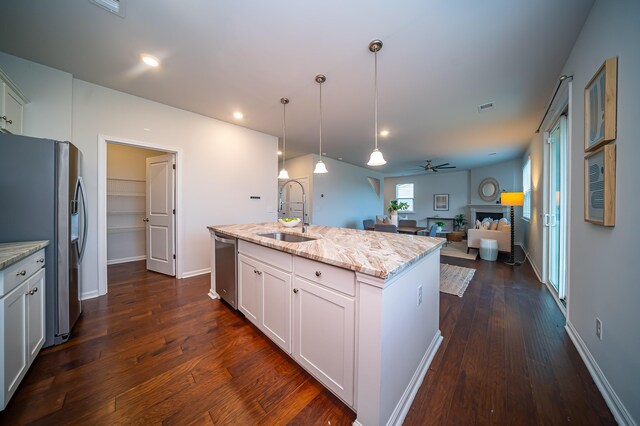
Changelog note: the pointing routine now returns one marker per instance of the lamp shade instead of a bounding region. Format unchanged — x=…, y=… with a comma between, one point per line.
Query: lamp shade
x=376, y=159
x=512, y=198
x=320, y=167
x=283, y=174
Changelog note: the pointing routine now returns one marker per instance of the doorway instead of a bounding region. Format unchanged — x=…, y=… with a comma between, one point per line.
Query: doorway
x=555, y=217
x=140, y=204
x=171, y=206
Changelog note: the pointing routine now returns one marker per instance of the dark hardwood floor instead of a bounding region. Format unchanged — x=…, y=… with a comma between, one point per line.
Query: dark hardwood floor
x=158, y=350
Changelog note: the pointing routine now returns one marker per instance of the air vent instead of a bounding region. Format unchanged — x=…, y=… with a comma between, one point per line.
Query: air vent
x=485, y=107
x=114, y=6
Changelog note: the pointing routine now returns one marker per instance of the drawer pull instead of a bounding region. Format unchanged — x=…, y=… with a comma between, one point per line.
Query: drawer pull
x=295, y=290
x=318, y=273
x=23, y=273
x=259, y=272
x=41, y=260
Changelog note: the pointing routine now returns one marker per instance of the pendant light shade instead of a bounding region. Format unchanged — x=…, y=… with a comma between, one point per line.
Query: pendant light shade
x=376, y=158
x=283, y=172
x=320, y=167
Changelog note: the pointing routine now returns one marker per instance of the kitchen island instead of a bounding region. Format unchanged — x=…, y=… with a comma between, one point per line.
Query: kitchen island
x=357, y=309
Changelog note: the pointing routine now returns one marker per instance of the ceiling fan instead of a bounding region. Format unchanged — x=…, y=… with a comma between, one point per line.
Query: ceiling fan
x=430, y=168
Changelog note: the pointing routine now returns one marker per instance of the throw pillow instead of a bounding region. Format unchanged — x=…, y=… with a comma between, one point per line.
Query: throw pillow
x=501, y=224
x=493, y=226
x=380, y=220
x=486, y=223
x=506, y=228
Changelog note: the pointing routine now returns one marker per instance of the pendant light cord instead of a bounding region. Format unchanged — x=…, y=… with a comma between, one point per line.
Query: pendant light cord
x=375, y=107
x=284, y=134
x=320, y=121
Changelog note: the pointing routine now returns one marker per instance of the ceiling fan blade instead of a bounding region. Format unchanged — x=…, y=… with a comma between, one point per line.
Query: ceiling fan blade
x=443, y=164
x=435, y=170
x=447, y=167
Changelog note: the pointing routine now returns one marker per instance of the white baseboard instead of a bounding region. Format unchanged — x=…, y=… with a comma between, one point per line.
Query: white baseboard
x=618, y=409
x=403, y=406
x=212, y=294
x=125, y=260
x=196, y=273
x=89, y=295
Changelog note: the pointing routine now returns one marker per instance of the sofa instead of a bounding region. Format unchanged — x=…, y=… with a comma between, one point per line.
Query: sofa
x=503, y=237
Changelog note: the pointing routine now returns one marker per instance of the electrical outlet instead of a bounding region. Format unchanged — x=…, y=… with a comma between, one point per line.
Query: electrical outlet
x=599, y=328
x=419, y=294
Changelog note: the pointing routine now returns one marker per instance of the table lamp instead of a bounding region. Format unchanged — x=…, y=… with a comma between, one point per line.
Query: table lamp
x=512, y=199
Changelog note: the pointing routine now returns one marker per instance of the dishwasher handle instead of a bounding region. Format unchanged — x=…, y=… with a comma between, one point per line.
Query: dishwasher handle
x=223, y=240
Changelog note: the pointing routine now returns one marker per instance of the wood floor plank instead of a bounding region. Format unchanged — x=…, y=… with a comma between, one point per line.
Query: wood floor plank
x=157, y=350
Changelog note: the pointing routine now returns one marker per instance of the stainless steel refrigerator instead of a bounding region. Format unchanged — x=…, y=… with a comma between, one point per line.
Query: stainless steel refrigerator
x=42, y=197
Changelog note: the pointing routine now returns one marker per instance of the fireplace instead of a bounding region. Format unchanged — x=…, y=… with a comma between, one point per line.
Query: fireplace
x=479, y=212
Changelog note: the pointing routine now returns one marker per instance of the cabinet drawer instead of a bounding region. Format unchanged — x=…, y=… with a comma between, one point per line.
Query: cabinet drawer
x=333, y=277
x=20, y=271
x=266, y=255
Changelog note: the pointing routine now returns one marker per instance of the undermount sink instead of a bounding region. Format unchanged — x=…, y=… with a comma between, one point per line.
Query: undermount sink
x=289, y=238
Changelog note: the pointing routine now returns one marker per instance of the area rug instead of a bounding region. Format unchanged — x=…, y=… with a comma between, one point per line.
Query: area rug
x=458, y=249
x=455, y=279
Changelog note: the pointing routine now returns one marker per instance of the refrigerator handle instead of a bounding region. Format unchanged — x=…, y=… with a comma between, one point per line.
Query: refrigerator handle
x=81, y=189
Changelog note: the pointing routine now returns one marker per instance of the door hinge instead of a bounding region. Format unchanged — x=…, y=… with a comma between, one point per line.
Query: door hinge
x=174, y=167
x=174, y=256
x=174, y=211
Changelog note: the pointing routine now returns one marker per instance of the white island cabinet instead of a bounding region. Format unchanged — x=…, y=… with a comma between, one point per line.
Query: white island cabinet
x=22, y=314
x=358, y=310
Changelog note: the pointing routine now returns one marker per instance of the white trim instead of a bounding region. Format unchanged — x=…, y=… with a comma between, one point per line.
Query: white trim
x=125, y=260
x=102, y=202
x=89, y=295
x=212, y=294
x=619, y=411
x=196, y=272
x=403, y=406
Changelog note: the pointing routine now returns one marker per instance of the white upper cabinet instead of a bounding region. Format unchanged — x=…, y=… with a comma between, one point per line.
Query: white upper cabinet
x=12, y=103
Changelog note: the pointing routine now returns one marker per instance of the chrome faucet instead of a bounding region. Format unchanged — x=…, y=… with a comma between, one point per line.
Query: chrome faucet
x=304, y=202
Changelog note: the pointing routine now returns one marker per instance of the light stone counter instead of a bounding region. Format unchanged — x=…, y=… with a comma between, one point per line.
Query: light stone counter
x=378, y=254
x=11, y=253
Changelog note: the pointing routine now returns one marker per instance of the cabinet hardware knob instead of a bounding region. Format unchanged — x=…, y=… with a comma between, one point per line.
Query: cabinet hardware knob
x=259, y=272
x=255, y=272
x=41, y=260
x=4, y=117
x=23, y=272
x=35, y=290
x=146, y=219
x=30, y=293
x=9, y=121
x=296, y=290
x=318, y=273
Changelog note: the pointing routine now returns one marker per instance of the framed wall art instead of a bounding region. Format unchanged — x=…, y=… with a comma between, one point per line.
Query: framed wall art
x=600, y=186
x=441, y=201
x=600, y=98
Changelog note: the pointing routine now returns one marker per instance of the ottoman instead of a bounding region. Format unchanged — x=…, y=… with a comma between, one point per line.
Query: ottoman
x=488, y=249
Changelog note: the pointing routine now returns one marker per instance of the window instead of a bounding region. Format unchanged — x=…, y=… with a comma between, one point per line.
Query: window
x=404, y=194
x=526, y=188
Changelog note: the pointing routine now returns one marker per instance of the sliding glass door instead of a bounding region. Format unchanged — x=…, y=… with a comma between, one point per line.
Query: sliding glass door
x=555, y=219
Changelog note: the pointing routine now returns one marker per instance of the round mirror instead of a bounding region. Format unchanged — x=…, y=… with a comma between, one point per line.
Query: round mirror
x=489, y=189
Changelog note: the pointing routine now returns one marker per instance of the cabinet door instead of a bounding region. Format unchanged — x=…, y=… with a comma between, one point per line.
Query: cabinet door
x=35, y=314
x=249, y=289
x=14, y=318
x=324, y=335
x=13, y=112
x=276, y=305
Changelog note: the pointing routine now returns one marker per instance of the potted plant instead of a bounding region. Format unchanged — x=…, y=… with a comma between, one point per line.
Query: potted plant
x=394, y=206
x=440, y=225
x=459, y=221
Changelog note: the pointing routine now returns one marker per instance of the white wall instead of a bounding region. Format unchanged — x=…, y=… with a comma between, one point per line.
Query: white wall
x=604, y=280
x=533, y=230
x=343, y=197
x=48, y=113
x=223, y=165
x=456, y=184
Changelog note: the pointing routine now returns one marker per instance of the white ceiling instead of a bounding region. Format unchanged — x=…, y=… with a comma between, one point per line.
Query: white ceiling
x=440, y=60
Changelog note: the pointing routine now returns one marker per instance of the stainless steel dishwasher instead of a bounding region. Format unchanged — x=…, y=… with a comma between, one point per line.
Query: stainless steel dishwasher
x=225, y=268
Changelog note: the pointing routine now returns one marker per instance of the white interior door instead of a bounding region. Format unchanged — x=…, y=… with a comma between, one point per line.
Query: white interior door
x=160, y=214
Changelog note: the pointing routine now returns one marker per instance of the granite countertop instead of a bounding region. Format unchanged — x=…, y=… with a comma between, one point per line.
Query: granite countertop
x=11, y=253
x=378, y=254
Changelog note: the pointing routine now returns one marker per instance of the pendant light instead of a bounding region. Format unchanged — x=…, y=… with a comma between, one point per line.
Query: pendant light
x=283, y=173
x=320, y=167
x=376, y=158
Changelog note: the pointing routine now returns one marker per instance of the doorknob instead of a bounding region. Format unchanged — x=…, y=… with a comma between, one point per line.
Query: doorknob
x=146, y=219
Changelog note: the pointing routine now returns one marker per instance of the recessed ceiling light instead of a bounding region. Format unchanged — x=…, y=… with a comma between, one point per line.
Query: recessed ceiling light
x=150, y=60
x=340, y=158
x=238, y=115
x=384, y=133
x=146, y=129
x=279, y=152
